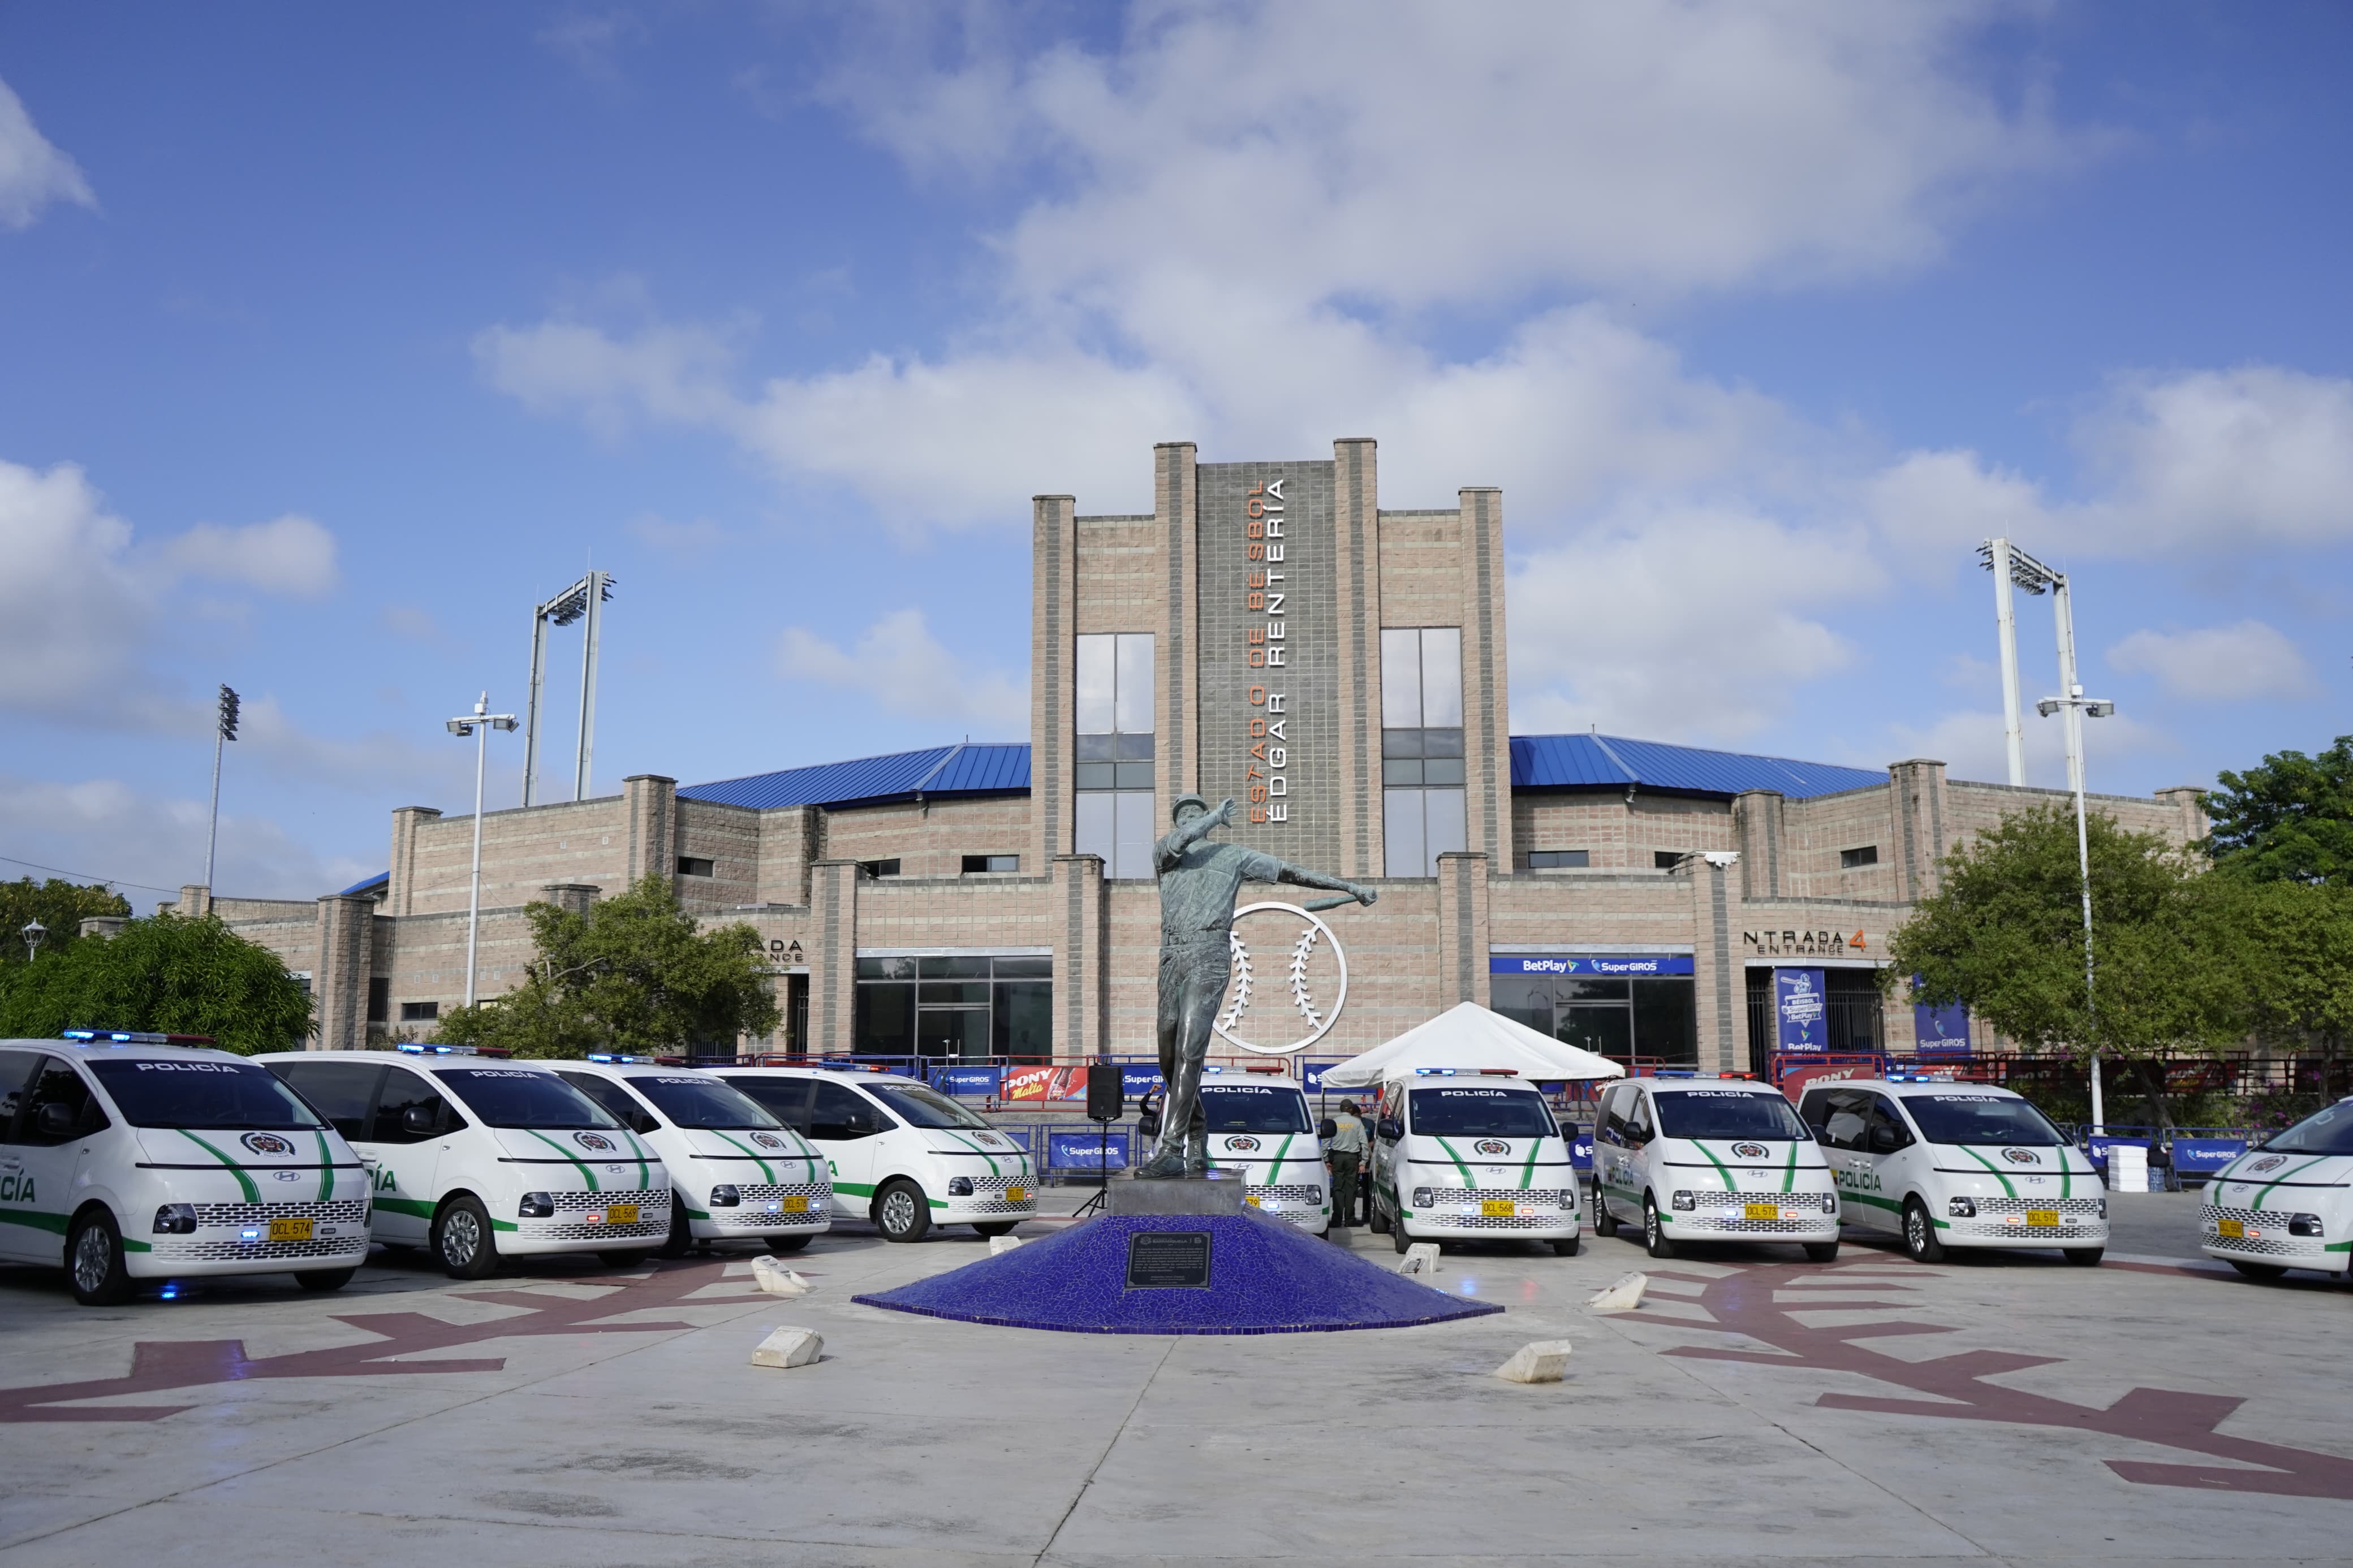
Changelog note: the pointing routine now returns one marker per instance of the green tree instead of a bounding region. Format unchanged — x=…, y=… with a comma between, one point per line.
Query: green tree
x=2290, y=819
x=635, y=973
x=2296, y=940
x=2004, y=935
x=168, y=973
x=58, y=905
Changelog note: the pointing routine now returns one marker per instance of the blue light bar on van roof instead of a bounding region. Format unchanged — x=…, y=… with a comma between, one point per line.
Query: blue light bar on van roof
x=624, y=1060
x=134, y=1037
x=416, y=1050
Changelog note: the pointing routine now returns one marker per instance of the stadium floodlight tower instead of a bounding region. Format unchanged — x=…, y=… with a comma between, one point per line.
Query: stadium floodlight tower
x=2011, y=565
x=580, y=601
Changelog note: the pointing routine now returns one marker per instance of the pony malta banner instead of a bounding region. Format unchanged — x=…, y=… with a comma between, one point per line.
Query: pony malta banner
x=1043, y=1084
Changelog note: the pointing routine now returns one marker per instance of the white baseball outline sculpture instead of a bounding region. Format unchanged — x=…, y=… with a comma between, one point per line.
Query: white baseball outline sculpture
x=1301, y=952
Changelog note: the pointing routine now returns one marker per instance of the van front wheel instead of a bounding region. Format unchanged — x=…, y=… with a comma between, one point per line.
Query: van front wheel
x=784, y=1245
x=901, y=1211
x=1604, y=1221
x=1397, y=1237
x=1565, y=1249
x=462, y=1242
x=1654, y=1234
x=1920, y=1234
x=94, y=1259
x=994, y=1227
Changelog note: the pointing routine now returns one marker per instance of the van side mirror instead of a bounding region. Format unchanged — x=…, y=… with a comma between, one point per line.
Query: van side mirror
x=1885, y=1139
x=419, y=1120
x=54, y=1120
x=1389, y=1129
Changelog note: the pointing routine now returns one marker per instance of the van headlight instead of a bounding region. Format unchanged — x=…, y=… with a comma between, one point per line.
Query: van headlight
x=176, y=1219
x=2303, y=1225
x=1830, y=1203
x=1568, y=1197
x=1422, y=1198
x=959, y=1186
x=725, y=1196
x=1960, y=1208
x=1685, y=1200
x=2104, y=1206
x=536, y=1205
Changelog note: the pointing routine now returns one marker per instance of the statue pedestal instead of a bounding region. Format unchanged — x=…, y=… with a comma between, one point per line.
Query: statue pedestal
x=1220, y=1193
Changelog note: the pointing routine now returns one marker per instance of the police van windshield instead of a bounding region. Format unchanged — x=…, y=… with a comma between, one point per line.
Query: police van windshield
x=921, y=1107
x=1980, y=1118
x=1728, y=1113
x=1253, y=1107
x=1497, y=1112
x=2328, y=1131
x=234, y=1096
x=514, y=1097
x=703, y=1103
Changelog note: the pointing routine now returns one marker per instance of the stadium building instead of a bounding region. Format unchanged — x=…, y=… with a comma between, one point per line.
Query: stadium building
x=1268, y=632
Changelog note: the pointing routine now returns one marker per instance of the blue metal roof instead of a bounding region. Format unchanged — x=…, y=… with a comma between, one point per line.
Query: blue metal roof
x=1538, y=761
x=381, y=879
x=963, y=769
x=1568, y=762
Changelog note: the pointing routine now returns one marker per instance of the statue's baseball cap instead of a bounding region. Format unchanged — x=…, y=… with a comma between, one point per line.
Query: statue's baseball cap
x=1177, y=812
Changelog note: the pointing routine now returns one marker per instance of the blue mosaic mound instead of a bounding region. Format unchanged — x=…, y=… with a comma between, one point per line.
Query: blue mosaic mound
x=1265, y=1278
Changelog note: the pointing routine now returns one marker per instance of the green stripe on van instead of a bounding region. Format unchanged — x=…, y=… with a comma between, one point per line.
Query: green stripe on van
x=764, y=1171
x=568, y=1154
x=252, y=1192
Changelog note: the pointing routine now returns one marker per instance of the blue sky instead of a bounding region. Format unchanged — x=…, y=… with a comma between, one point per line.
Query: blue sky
x=337, y=337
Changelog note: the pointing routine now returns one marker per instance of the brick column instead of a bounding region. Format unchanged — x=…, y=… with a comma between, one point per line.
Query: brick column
x=1357, y=530
x=790, y=840
x=339, y=980
x=195, y=899
x=2189, y=804
x=1719, y=982
x=833, y=957
x=649, y=808
x=1919, y=808
x=1175, y=653
x=1053, y=623
x=401, y=891
x=1461, y=929
x=572, y=898
x=1082, y=969
x=1486, y=725
x=1759, y=815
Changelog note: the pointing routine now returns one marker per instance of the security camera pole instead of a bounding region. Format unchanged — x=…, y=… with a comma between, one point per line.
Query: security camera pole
x=478, y=724
x=224, y=730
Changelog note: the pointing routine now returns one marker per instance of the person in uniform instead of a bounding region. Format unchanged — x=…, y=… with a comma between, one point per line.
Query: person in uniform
x=1347, y=1158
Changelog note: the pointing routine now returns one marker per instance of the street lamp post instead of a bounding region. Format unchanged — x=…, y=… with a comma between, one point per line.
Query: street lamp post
x=478, y=724
x=32, y=931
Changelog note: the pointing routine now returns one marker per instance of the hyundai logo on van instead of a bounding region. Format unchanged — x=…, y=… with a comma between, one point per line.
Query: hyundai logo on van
x=1241, y=1145
x=267, y=1144
x=596, y=1141
x=1491, y=1146
x=2021, y=1156
x=1751, y=1150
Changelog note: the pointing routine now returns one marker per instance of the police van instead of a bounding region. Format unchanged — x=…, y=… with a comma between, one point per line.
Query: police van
x=1262, y=1127
x=2287, y=1203
x=900, y=1154
x=478, y=1158
x=1943, y=1163
x=126, y=1157
x=1692, y=1159
x=736, y=1173
x=1460, y=1156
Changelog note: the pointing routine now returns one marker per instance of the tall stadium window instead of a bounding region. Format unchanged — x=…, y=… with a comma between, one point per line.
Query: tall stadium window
x=962, y=1008
x=1112, y=807
x=1421, y=748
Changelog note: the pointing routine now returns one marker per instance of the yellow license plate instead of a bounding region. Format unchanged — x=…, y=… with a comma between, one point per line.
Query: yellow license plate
x=1760, y=1211
x=2235, y=1230
x=620, y=1214
x=1016, y=1194
x=2042, y=1216
x=798, y=1203
x=1498, y=1208
x=1253, y=1203
x=290, y=1229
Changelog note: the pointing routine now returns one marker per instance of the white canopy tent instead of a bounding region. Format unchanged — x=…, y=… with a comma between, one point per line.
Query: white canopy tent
x=1468, y=1038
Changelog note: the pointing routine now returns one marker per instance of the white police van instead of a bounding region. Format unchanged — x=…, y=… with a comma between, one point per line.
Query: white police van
x=1460, y=1156
x=127, y=1158
x=1691, y=1159
x=1943, y=1163
x=736, y=1173
x=479, y=1158
x=2287, y=1203
x=902, y=1154
x=1261, y=1126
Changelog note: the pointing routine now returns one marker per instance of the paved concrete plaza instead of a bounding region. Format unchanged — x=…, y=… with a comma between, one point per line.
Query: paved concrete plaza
x=1756, y=1410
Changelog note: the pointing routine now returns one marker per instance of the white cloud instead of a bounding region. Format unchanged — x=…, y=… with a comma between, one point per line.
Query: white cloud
x=104, y=828
x=412, y=621
x=2260, y=453
x=590, y=42
x=33, y=172
x=2249, y=661
x=1696, y=621
x=898, y=663
x=290, y=554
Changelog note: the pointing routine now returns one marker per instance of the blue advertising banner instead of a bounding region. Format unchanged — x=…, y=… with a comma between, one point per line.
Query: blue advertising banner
x=1580, y=1151
x=1589, y=964
x=966, y=1080
x=1075, y=1151
x=1803, y=1021
x=1133, y=1081
x=1941, y=1031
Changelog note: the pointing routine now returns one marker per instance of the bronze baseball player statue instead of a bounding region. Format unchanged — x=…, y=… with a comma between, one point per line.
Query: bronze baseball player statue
x=1199, y=883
